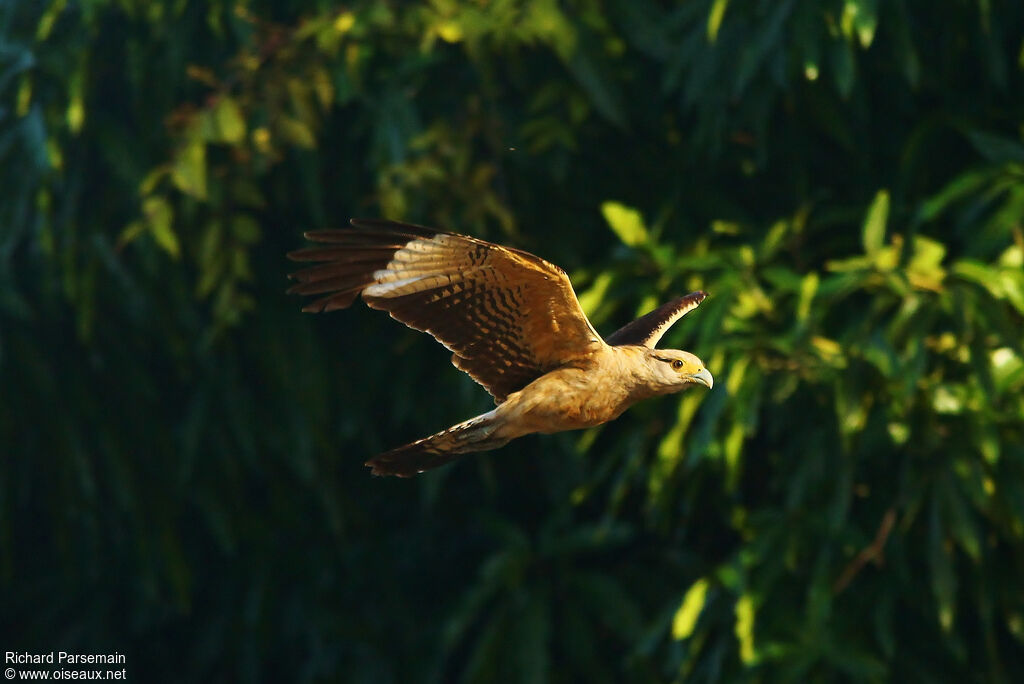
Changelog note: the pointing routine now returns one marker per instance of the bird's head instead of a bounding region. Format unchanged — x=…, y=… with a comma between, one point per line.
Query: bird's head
x=672, y=370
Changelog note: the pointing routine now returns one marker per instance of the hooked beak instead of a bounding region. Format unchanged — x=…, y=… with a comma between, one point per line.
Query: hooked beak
x=704, y=378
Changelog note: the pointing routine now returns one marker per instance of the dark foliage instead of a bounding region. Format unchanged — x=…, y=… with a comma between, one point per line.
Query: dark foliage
x=181, y=478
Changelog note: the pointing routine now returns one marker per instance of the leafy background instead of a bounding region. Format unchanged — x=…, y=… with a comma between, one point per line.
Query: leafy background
x=181, y=475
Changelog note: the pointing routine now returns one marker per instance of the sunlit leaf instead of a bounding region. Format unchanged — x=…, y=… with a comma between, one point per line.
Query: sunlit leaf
x=715, y=17
x=159, y=217
x=189, y=169
x=344, y=23
x=867, y=22
x=76, y=104
x=627, y=223
x=808, y=288
x=229, y=121
x=686, y=616
x=744, y=629
x=925, y=270
x=450, y=31
x=873, y=232
x=594, y=295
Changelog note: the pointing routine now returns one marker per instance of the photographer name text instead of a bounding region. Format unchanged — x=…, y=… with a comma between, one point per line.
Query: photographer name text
x=64, y=658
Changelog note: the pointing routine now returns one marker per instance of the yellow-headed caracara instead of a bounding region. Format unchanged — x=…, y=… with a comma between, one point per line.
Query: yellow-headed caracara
x=511, y=321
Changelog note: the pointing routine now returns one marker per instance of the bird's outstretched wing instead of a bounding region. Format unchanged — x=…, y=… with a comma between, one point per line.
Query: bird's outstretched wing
x=508, y=316
x=649, y=328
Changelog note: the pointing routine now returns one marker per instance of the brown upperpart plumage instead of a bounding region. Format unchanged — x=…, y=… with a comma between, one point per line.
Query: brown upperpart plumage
x=512, y=322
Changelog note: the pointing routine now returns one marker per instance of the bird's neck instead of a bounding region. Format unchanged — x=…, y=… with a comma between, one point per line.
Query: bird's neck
x=635, y=372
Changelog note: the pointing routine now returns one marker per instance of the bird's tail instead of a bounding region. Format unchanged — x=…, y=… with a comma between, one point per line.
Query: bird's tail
x=475, y=434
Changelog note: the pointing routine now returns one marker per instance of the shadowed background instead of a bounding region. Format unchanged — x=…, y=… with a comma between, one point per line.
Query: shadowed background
x=181, y=449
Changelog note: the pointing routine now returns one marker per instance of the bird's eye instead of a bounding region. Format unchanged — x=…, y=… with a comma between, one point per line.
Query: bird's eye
x=677, y=364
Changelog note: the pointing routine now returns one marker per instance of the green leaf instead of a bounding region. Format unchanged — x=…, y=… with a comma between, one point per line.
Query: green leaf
x=808, y=289
x=229, y=121
x=873, y=233
x=686, y=616
x=995, y=148
x=866, y=22
x=592, y=297
x=744, y=629
x=603, y=92
x=715, y=17
x=980, y=274
x=159, y=217
x=627, y=223
x=189, y=170
x=754, y=53
x=959, y=517
x=843, y=67
x=960, y=187
x=296, y=132
x=943, y=576
x=245, y=229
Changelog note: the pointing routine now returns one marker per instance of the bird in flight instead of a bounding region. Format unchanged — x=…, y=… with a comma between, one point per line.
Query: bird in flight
x=511, y=321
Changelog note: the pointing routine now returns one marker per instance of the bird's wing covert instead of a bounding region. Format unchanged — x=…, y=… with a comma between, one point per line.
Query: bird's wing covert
x=508, y=316
x=650, y=327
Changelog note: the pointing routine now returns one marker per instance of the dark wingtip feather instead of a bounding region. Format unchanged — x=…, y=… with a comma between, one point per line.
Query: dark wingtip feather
x=406, y=461
x=650, y=327
x=411, y=230
x=380, y=469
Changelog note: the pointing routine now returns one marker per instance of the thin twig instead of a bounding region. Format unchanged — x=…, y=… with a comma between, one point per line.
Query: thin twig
x=872, y=552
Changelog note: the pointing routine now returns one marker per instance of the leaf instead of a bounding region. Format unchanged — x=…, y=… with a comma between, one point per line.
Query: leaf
x=943, y=576
x=866, y=22
x=450, y=31
x=150, y=181
x=229, y=121
x=995, y=148
x=873, y=232
x=592, y=297
x=686, y=616
x=1012, y=282
x=602, y=91
x=159, y=217
x=245, y=229
x=859, y=21
x=345, y=21
x=733, y=448
x=843, y=67
x=754, y=53
x=959, y=518
x=296, y=132
x=744, y=629
x=924, y=270
x=715, y=17
x=808, y=289
x=627, y=223
x=75, y=116
x=962, y=186
x=212, y=261
x=980, y=274
x=189, y=171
